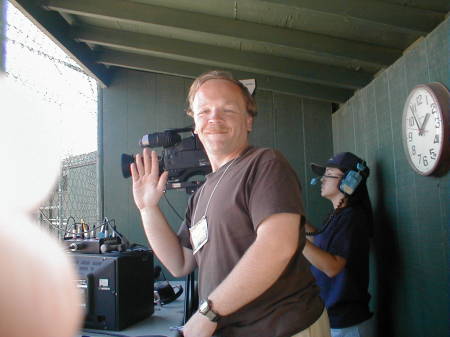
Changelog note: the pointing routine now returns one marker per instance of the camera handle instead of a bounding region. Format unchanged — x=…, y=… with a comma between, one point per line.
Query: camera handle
x=190, y=186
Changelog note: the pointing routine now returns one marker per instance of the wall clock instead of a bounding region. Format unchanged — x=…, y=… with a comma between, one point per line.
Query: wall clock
x=426, y=129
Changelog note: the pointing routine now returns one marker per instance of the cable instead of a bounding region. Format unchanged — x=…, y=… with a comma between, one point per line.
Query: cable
x=173, y=208
x=323, y=228
x=330, y=217
x=68, y=229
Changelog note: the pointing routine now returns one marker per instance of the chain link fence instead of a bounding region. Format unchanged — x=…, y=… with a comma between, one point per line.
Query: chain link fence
x=39, y=65
x=75, y=195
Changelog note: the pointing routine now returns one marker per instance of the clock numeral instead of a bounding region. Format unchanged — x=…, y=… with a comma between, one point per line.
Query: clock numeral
x=423, y=159
x=419, y=100
x=413, y=108
x=413, y=150
x=409, y=136
x=438, y=122
x=411, y=121
x=426, y=99
x=433, y=154
x=433, y=108
x=436, y=139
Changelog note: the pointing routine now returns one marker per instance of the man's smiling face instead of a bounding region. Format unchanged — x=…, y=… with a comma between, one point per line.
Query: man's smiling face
x=221, y=119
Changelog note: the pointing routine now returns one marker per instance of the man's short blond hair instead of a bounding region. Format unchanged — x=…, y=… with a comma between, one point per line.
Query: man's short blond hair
x=220, y=75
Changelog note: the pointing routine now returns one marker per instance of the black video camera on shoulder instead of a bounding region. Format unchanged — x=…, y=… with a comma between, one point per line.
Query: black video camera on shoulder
x=183, y=158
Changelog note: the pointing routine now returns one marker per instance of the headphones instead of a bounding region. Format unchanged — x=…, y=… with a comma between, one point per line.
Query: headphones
x=352, y=179
x=164, y=293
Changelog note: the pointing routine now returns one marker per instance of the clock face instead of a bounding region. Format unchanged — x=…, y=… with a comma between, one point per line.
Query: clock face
x=423, y=129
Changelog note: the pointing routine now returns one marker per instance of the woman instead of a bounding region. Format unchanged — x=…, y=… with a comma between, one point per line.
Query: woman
x=339, y=252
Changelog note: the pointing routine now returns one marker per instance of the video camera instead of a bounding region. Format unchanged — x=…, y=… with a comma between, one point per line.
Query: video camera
x=183, y=158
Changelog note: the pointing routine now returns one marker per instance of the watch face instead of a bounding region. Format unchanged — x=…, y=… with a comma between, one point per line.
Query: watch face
x=204, y=307
x=423, y=130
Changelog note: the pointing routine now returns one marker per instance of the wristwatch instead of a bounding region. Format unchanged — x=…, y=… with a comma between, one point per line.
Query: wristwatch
x=205, y=309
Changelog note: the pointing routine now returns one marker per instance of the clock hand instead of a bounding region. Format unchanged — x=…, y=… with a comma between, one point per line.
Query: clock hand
x=425, y=120
x=415, y=119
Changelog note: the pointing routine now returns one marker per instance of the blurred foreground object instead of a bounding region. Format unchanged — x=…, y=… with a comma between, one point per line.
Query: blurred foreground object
x=2, y=34
x=37, y=289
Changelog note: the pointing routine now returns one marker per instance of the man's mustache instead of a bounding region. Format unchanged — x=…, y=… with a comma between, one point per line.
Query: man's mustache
x=216, y=129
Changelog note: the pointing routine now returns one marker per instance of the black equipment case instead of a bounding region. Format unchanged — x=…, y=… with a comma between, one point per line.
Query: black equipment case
x=117, y=288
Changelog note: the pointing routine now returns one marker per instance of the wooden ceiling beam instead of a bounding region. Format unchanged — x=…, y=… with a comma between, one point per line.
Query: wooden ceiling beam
x=307, y=42
x=395, y=16
x=223, y=57
x=192, y=70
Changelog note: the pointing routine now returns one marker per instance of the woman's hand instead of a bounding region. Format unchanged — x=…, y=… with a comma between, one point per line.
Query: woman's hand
x=148, y=185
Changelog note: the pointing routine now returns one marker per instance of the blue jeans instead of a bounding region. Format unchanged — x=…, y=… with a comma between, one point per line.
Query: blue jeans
x=363, y=329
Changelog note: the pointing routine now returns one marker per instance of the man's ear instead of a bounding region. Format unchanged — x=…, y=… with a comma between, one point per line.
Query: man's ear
x=249, y=123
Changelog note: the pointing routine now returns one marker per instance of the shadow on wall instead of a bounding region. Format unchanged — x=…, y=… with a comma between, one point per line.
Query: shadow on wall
x=386, y=260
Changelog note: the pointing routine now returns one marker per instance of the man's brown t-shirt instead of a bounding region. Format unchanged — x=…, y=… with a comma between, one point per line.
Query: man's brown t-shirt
x=256, y=185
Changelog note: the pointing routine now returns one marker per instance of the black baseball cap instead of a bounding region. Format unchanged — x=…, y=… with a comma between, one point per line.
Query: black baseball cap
x=345, y=161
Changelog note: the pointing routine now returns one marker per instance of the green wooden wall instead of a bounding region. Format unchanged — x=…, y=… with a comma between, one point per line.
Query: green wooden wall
x=140, y=102
x=410, y=265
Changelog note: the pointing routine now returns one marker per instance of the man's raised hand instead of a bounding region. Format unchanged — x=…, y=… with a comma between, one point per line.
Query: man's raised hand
x=148, y=185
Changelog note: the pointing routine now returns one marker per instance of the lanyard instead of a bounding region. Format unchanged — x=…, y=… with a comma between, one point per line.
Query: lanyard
x=212, y=193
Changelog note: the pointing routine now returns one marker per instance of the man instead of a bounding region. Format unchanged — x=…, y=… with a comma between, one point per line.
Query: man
x=242, y=227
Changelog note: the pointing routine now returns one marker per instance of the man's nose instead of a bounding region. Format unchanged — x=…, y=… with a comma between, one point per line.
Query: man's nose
x=216, y=114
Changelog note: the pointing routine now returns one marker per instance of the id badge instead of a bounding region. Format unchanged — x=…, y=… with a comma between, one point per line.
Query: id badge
x=199, y=234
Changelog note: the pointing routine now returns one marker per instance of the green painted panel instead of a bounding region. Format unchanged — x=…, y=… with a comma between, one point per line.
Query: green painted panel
x=416, y=65
x=318, y=148
x=350, y=128
x=170, y=103
x=385, y=137
x=140, y=99
x=372, y=120
x=382, y=109
x=437, y=53
x=397, y=93
x=289, y=133
x=366, y=135
x=359, y=123
x=263, y=133
x=410, y=256
x=116, y=195
x=347, y=132
x=339, y=128
x=288, y=130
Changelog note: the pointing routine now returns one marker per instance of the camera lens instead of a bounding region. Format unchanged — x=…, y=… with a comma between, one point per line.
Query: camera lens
x=126, y=161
